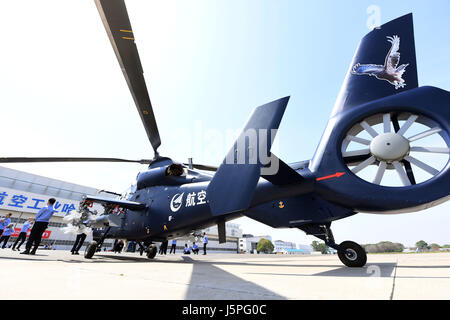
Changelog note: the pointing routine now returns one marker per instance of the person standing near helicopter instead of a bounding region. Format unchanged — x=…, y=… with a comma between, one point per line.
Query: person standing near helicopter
x=4, y=222
x=23, y=234
x=205, y=242
x=7, y=232
x=42, y=220
x=81, y=236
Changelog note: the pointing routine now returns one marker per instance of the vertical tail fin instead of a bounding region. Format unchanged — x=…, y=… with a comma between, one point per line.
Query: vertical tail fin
x=233, y=185
x=384, y=64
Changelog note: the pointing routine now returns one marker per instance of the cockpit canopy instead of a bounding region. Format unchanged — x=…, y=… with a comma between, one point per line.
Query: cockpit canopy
x=171, y=174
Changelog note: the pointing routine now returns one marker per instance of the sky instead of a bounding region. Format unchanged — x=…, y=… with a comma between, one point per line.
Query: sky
x=207, y=65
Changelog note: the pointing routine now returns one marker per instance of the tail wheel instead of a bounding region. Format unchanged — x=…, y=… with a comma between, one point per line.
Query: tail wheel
x=90, y=250
x=396, y=149
x=353, y=255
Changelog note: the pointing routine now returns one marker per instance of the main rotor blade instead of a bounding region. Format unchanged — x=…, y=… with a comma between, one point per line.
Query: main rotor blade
x=202, y=167
x=117, y=24
x=68, y=159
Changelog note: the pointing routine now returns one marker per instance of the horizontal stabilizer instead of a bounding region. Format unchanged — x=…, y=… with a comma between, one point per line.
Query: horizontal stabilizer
x=285, y=175
x=233, y=185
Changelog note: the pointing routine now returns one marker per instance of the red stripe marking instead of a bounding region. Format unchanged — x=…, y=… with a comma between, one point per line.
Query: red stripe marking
x=336, y=175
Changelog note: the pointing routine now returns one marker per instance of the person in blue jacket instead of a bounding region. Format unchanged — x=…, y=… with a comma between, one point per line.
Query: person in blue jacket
x=187, y=249
x=195, y=248
x=174, y=246
x=42, y=219
x=23, y=234
x=4, y=222
x=7, y=232
x=205, y=242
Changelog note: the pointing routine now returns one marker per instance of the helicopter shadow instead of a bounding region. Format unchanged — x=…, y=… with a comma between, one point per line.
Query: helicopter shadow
x=209, y=282
x=382, y=270
x=29, y=258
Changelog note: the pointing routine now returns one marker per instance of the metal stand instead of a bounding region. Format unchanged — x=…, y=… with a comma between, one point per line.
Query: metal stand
x=102, y=239
x=323, y=232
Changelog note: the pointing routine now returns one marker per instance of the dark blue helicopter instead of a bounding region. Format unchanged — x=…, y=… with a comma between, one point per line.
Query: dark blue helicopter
x=380, y=126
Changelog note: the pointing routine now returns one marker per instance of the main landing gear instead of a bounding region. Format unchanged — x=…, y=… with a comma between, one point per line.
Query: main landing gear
x=350, y=253
x=149, y=249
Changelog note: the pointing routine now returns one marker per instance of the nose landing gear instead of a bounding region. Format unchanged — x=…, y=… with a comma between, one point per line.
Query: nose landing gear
x=350, y=253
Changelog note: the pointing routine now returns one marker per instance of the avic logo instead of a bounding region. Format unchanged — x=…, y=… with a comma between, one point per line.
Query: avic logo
x=175, y=203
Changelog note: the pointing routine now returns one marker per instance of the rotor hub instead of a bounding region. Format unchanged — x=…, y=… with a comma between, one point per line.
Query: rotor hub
x=389, y=147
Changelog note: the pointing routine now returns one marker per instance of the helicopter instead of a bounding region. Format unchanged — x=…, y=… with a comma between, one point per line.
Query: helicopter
x=379, y=126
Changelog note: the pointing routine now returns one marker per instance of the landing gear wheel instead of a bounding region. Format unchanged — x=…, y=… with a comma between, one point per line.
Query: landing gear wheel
x=90, y=250
x=151, y=252
x=355, y=256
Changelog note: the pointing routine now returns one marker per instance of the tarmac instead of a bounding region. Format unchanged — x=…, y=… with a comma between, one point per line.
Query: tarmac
x=60, y=275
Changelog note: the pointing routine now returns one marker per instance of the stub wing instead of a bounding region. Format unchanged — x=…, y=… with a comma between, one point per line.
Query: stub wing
x=124, y=204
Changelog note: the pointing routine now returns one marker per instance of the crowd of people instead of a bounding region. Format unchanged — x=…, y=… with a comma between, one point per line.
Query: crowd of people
x=187, y=248
x=39, y=224
x=120, y=246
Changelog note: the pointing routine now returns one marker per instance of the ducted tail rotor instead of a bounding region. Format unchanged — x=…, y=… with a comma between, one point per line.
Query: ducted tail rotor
x=412, y=146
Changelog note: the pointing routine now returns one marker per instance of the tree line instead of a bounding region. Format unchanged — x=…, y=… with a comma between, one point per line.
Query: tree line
x=385, y=246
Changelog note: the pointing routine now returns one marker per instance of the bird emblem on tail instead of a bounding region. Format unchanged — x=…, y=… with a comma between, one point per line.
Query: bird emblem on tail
x=390, y=70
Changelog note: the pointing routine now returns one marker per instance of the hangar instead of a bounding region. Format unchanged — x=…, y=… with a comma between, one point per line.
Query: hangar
x=23, y=194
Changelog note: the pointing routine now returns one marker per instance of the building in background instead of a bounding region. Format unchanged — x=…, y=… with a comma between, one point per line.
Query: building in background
x=248, y=242
x=280, y=246
x=232, y=230
x=299, y=249
x=23, y=194
x=305, y=248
